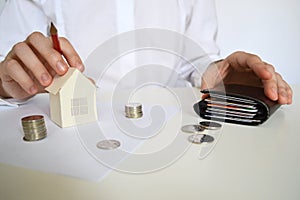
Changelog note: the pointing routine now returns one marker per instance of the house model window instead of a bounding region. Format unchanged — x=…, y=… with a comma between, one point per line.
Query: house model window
x=79, y=106
x=72, y=99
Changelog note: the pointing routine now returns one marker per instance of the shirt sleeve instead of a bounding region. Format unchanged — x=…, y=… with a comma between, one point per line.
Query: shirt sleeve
x=201, y=27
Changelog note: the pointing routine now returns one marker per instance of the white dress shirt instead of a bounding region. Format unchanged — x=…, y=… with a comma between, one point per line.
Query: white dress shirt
x=87, y=24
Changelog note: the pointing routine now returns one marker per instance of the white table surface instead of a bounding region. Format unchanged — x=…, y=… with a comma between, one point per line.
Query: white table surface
x=247, y=163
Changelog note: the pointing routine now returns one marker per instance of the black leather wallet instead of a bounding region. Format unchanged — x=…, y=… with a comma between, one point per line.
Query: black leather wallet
x=237, y=104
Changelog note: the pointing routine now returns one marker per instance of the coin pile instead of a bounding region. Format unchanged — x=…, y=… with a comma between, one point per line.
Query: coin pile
x=133, y=110
x=198, y=138
x=34, y=127
x=204, y=125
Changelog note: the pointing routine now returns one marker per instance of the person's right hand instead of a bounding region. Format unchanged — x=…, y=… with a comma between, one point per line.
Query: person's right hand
x=30, y=66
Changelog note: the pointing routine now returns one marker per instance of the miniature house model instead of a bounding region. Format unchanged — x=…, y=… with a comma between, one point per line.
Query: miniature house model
x=72, y=99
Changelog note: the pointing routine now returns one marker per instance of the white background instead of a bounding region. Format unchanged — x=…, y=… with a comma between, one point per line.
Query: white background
x=1, y=4
x=268, y=28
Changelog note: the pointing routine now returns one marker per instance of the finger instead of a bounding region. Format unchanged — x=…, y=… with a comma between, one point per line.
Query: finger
x=43, y=46
x=278, y=90
x=275, y=87
x=244, y=61
x=270, y=88
x=14, y=90
x=208, y=80
x=263, y=70
x=92, y=80
x=290, y=94
x=70, y=54
x=214, y=74
x=49, y=69
x=30, y=60
x=15, y=72
x=284, y=91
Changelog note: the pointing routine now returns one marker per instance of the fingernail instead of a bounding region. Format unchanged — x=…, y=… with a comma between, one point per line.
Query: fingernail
x=61, y=66
x=275, y=95
x=33, y=90
x=45, y=78
x=79, y=66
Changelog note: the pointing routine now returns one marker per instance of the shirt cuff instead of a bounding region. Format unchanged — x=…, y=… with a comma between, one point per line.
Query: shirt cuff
x=12, y=102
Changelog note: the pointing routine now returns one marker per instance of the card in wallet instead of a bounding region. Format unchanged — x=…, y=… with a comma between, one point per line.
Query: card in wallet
x=237, y=104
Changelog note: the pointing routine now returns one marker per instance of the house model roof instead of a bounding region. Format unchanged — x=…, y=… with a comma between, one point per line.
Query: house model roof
x=59, y=81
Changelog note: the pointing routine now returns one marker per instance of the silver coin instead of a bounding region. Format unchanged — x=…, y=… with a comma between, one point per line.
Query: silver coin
x=134, y=116
x=133, y=105
x=200, y=138
x=210, y=125
x=191, y=129
x=108, y=144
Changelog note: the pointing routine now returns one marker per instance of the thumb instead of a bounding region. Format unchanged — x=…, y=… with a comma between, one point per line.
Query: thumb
x=212, y=76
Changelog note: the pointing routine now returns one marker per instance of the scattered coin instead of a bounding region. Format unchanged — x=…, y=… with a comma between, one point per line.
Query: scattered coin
x=200, y=138
x=192, y=128
x=108, y=144
x=210, y=125
x=133, y=110
x=34, y=127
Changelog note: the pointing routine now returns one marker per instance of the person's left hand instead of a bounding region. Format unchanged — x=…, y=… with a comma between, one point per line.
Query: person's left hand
x=248, y=69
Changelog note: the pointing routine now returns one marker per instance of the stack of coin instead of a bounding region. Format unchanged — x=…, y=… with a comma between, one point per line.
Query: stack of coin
x=133, y=110
x=34, y=128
